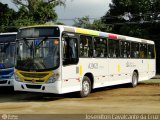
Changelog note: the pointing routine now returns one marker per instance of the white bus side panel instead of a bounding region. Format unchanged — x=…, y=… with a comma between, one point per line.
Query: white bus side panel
x=106, y=72
x=72, y=75
x=70, y=78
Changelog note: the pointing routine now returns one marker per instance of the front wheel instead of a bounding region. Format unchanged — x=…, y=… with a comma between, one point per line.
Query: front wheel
x=86, y=87
x=134, y=79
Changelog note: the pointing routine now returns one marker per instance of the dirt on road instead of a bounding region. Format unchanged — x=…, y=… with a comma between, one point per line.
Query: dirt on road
x=145, y=98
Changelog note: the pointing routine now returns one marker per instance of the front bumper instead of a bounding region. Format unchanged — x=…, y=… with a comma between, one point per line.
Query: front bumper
x=6, y=82
x=43, y=88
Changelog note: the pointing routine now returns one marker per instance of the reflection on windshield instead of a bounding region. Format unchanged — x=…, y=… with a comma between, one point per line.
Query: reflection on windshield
x=7, y=55
x=37, y=54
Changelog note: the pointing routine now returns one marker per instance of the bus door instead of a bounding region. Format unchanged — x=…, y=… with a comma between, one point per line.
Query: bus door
x=151, y=60
x=143, y=61
x=70, y=73
x=114, y=61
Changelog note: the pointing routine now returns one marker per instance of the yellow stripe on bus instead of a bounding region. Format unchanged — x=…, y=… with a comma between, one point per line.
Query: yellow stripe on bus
x=148, y=67
x=89, y=32
x=80, y=70
x=119, y=68
x=44, y=25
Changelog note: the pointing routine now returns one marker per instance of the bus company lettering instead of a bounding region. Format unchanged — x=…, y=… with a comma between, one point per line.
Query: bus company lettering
x=130, y=64
x=93, y=66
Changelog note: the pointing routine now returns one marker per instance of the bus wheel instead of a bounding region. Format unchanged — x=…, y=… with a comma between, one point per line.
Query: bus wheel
x=134, y=79
x=86, y=87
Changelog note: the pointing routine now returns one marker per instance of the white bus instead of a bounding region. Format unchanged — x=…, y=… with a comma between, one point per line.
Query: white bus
x=62, y=59
x=7, y=52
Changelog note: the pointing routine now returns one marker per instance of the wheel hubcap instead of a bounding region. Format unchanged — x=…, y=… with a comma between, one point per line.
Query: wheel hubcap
x=85, y=87
x=135, y=80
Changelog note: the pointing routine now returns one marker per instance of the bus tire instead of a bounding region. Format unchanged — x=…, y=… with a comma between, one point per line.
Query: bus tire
x=86, y=87
x=134, y=82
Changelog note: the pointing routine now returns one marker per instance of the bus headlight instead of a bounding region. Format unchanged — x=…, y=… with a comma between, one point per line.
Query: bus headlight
x=17, y=78
x=51, y=79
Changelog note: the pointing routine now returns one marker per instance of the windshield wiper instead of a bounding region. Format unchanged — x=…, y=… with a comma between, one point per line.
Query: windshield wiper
x=37, y=46
x=27, y=43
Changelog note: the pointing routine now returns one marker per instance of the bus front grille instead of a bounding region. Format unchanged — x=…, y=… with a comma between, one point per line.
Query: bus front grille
x=34, y=75
x=34, y=81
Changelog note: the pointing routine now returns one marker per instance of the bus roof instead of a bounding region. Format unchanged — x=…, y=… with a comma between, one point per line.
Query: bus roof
x=94, y=33
x=8, y=37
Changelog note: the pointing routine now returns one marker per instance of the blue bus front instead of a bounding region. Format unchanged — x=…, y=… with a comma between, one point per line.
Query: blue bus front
x=7, y=52
x=6, y=77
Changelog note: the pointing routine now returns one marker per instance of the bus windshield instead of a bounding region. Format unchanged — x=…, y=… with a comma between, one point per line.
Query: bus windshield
x=38, y=54
x=7, y=55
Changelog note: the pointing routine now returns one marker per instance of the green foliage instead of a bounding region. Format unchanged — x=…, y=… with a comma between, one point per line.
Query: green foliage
x=85, y=22
x=24, y=18
x=133, y=17
x=41, y=11
x=99, y=25
x=133, y=30
x=59, y=23
x=44, y=13
x=30, y=12
x=6, y=14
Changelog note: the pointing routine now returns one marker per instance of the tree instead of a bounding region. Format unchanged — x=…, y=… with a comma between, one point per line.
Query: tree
x=85, y=22
x=133, y=15
x=30, y=12
x=32, y=5
x=23, y=18
x=130, y=10
x=6, y=14
x=41, y=11
x=99, y=25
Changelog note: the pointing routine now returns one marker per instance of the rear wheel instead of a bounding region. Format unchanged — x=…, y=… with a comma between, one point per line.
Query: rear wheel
x=134, y=79
x=86, y=87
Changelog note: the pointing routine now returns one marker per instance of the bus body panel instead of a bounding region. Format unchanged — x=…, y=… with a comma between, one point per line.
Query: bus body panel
x=70, y=79
x=106, y=72
x=72, y=75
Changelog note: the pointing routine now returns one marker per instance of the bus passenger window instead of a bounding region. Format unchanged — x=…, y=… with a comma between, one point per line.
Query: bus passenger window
x=151, y=54
x=100, y=47
x=113, y=48
x=86, y=46
x=143, y=50
x=134, y=50
x=125, y=49
x=70, y=50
